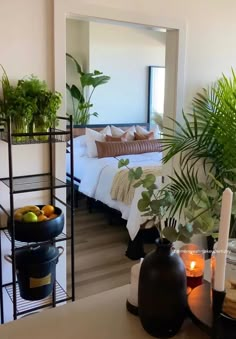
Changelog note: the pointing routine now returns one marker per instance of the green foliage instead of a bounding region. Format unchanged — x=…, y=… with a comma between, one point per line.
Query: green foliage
x=16, y=105
x=206, y=139
x=46, y=103
x=29, y=101
x=81, y=100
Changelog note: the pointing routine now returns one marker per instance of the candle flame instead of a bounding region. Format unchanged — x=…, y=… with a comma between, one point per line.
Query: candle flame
x=192, y=265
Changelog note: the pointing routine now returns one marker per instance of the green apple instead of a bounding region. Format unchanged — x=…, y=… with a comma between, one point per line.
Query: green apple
x=30, y=217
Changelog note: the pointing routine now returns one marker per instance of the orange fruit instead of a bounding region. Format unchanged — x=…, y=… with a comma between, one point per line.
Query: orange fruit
x=48, y=210
x=52, y=216
x=42, y=217
x=18, y=216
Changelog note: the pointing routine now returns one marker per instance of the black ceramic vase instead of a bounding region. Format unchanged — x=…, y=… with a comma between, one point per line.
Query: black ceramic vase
x=162, y=291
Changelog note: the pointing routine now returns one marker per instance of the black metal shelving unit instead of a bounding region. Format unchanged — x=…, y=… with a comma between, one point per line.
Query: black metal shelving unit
x=32, y=183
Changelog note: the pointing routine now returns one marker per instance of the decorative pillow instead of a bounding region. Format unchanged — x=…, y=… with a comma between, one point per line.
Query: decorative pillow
x=148, y=136
x=113, y=149
x=155, y=129
x=117, y=132
x=92, y=136
x=80, y=151
x=123, y=137
x=80, y=140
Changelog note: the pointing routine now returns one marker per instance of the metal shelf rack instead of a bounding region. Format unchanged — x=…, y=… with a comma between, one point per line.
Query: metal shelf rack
x=31, y=183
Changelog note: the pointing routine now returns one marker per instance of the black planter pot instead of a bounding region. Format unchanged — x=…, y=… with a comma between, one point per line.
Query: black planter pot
x=35, y=269
x=162, y=291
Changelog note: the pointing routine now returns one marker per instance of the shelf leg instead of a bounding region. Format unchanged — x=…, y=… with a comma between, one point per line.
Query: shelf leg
x=11, y=192
x=1, y=292
x=72, y=194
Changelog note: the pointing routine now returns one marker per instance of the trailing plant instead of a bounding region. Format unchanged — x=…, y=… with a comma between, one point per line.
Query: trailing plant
x=80, y=96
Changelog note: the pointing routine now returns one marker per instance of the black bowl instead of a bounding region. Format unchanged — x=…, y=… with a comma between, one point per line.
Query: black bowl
x=39, y=231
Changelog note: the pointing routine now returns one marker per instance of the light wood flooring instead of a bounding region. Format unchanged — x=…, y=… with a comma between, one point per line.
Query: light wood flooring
x=100, y=261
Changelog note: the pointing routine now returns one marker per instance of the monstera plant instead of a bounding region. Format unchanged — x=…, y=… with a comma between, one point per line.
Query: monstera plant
x=206, y=145
x=81, y=96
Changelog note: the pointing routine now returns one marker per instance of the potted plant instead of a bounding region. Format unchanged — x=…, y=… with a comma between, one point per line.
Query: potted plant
x=81, y=97
x=16, y=106
x=46, y=104
x=30, y=105
x=206, y=140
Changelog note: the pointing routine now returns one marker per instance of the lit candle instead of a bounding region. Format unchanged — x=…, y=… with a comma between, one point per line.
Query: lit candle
x=194, y=275
x=221, y=252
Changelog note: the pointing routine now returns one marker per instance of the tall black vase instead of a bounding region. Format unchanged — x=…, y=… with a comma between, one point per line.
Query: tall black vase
x=162, y=291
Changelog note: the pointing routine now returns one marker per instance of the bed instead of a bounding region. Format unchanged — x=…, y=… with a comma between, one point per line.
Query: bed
x=96, y=176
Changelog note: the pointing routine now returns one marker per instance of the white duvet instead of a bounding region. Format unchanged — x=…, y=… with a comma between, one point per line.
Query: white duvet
x=97, y=175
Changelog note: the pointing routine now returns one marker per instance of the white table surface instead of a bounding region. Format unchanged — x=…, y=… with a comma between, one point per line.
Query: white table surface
x=102, y=316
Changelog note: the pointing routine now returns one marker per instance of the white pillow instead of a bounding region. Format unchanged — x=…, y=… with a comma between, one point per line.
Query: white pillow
x=80, y=151
x=154, y=129
x=80, y=140
x=117, y=132
x=92, y=136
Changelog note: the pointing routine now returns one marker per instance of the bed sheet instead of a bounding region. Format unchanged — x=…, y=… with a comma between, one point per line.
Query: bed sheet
x=97, y=175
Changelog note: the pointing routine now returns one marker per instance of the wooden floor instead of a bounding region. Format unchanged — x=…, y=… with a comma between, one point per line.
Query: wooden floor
x=100, y=261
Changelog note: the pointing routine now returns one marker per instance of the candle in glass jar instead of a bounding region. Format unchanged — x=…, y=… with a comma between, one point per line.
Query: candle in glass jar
x=194, y=275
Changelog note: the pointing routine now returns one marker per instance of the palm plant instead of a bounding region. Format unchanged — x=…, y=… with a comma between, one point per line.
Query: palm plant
x=207, y=139
x=81, y=99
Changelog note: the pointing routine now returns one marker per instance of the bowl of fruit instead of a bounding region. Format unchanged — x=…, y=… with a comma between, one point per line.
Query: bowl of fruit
x=37, y=223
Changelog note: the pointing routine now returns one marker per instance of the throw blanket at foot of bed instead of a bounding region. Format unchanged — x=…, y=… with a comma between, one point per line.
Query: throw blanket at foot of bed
x=122, y=188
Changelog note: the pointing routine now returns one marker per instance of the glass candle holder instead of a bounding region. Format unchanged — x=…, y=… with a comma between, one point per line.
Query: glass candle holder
x=194, y=262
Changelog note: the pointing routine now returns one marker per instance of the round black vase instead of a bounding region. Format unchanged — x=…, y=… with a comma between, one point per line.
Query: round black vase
x=162, y=291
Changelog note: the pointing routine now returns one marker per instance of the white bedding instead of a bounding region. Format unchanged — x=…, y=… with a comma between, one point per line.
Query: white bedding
x=97, y=175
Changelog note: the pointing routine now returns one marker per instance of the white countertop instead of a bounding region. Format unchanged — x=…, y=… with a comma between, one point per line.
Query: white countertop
x=102, y=316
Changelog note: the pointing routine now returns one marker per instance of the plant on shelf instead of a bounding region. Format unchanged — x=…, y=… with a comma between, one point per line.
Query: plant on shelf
x=205, y=142
x=16, y=106
x=81, y=96
x=30, y=105
x=46, y=104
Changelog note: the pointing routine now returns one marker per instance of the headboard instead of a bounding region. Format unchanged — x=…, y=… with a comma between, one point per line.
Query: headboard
x=80, y=129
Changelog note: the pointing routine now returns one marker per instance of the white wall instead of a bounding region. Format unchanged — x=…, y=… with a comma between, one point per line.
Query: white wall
x=210, y=26
x=124, y=53
x=77, y=45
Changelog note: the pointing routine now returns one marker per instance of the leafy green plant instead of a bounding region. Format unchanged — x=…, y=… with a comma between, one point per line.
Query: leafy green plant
x=81, y=97
x=14, y=104
x=206, y=140
x=156, y=203
x=45, y=102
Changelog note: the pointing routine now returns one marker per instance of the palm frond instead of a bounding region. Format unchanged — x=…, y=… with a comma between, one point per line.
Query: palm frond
x=183, y=186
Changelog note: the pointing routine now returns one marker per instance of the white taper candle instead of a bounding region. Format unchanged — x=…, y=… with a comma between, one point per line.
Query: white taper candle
x=222, y=246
